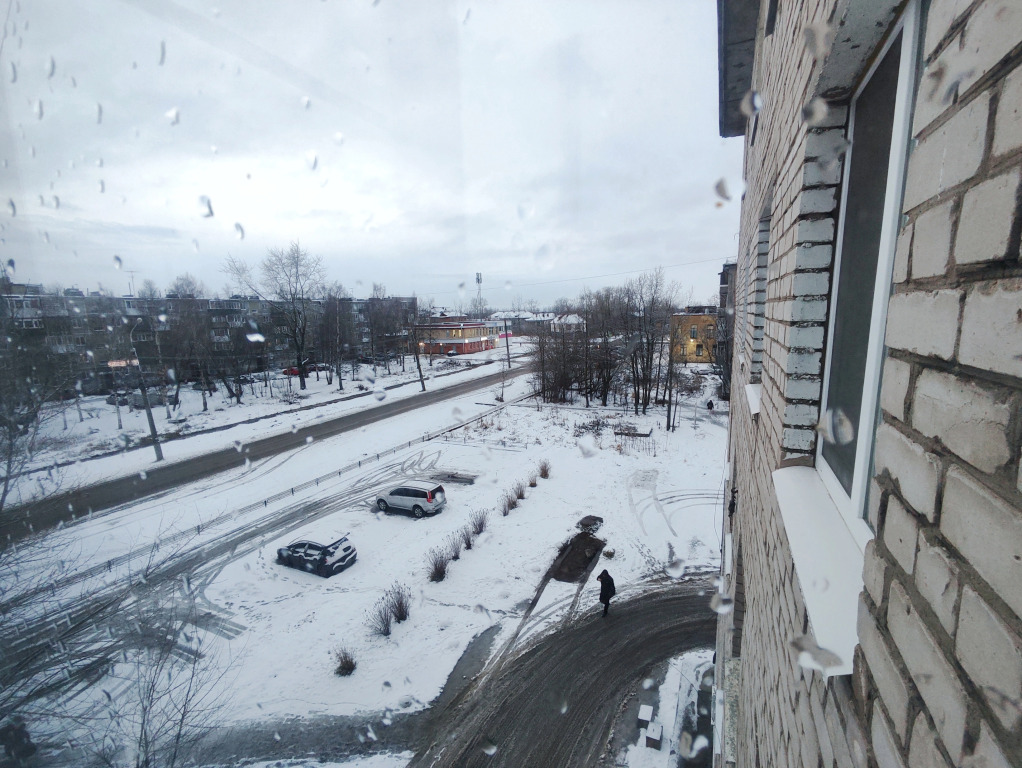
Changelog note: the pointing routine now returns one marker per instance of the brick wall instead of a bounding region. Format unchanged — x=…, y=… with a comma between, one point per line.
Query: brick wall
x=937, y=677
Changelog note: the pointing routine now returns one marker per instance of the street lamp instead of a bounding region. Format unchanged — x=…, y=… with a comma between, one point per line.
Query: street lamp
x=145, y=393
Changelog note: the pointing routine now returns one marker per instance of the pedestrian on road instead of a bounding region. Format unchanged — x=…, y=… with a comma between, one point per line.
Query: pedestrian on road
x=607, y=589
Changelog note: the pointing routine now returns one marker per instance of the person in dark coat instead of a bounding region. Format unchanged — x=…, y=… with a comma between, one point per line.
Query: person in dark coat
x=607, y=589
x=709, y=405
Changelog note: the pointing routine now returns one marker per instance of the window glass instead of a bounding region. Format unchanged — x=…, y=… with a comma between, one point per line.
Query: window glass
x=863, y=213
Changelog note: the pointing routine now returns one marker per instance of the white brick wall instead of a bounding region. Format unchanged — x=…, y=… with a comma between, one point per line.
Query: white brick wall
x=986, y=220
x=1008, y=124
x=937, y=335
x=991, y=329
x=914, y=470
x=937, y=581
x=992, y=655
x=900, y=533
x=931, y=248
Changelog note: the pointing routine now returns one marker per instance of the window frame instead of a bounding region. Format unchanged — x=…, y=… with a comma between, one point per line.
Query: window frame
x=852, y=506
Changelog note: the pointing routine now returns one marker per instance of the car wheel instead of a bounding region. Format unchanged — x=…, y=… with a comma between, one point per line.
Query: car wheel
x=281, y=559
x=382, y=505
x=417, y=511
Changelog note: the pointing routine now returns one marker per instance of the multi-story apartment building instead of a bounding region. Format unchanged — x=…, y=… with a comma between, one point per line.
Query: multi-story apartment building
x=873, y=547
x=694, y=334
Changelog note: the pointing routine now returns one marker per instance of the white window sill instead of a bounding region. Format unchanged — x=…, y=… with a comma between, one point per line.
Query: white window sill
x=828, y=561
x=754, y=393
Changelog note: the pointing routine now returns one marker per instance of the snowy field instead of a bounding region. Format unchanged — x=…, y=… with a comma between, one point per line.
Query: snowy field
x=660, y=497
x=72, y=452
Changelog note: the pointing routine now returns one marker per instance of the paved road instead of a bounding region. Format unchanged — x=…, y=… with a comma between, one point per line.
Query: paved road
x=556, y=703
x=47, y=513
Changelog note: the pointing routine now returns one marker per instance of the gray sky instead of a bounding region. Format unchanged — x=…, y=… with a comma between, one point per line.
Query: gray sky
x=410, y=143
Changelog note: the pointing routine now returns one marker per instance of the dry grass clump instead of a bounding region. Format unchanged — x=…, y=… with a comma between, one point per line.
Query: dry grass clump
x=544, y=469
x=532, y=480
x=399, y=602
x=454, y=546
x=478, y=521
x=466, y=537
x=379, y=618
x=437, y=560
x=345, y=661
x=518, y=489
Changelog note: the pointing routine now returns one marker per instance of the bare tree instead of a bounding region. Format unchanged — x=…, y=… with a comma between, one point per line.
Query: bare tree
x=186, y=286
x=289, y=280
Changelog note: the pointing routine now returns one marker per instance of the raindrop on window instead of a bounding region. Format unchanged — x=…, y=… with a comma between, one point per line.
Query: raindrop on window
x=311, y=160
x=14, y=73
x=255, y=338
x=174, y=115
x=37, y=108
x=832, y=149
x=721, y=189
x=99, y=114
x=142, y=475
x=162, y=317
x=815, y=111
x=51, y=69
x=276, y=736
x=213, y=149
x=648, y=683
x=163, y=52
x=587, y=445
x=689, y=747
x=752, y=103
x=239, y=230
x=171, y=373
x=195, y=245
x=836, y=427
x=306, y=102
x=380, y=394
x=812, y=656
x=488, y=747
x=56, y=202
x=461, y=289
x=118, y=263
x=456, y=412
x=294, y=429
x=99, y=162
x=338, y=138
x=205, y=207
x=721, y=603
x=102, y=186
x=10, y=271
x=507, y=285
x=309, y=439
x=12, y=207
x=818, y=39
x=676, y=568
x=368, y=377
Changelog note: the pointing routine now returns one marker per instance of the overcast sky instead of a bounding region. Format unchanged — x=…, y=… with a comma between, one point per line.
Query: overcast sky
x=550, y=146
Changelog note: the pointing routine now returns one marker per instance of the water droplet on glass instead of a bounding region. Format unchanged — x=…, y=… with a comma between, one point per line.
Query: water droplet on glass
x=37, y=108
x=118, y=263
x=380, y=394
x=56, y=202
x=163, y=52
x=276, y=736
x=461, y=289
x=752, y=103
x=368, y=377
x=812, y=656
x=456, y=412
x=489, y=748
x=306, y=102
x=51, y=69
x=721, y=189
x=174, y=115
x=195, y=245
x=10, y=272
x=815, y=111
x=142, y=475
x=240, y=230
x=835, y=427
x=309, y=439
x=102, y=186
x=12, y=207
x=689, y=747
x=213, y=149
x=832, y=148
x=14, y=73
x=587, y=445
x=721, y=603
x=818, y=39
x=99, y=114
x=648, y=683
x=294, y=429
x=676, y=568
x=205, y=207
x=255, y=338
x=338, y=138
x=311, y=161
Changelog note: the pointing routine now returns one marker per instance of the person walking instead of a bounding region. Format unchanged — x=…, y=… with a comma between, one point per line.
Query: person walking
x=607, y=589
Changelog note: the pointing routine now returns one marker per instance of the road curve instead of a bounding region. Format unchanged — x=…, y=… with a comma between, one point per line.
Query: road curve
x=48, y=512
x=585, y=670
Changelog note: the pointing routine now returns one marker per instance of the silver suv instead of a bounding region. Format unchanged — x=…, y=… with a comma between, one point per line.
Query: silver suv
x=415, y=496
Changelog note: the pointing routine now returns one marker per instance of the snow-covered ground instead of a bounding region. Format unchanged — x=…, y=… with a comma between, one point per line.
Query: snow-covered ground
x=660, y=498
x=72, y=452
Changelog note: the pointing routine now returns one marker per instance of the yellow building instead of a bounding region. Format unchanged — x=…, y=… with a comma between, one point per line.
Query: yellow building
x=694, y=334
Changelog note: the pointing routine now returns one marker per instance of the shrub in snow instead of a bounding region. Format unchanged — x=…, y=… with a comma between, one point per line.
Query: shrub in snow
x=510, y=500
x=533, y=480
x=518, y=489
x=399, y=602
x=466, y=536
x=345, y=662
x=437, y=560
x=478, y=521
x=379, y=618
x=454, y=546
x=544, y=469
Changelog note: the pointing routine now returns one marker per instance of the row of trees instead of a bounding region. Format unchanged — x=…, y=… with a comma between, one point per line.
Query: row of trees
x=616, y=342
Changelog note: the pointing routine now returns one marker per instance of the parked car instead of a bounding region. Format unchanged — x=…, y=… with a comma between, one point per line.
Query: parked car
x=118, y=398
x=292, y=371
x=452, y=353
x=322, y=559
x=420, y=497
x=318, y=367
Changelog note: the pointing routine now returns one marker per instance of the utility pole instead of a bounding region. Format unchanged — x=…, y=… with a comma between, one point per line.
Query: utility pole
x=507, y=344
x=145, y=395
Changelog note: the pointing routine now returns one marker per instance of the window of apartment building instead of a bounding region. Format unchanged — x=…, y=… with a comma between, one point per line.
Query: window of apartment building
x=693, y=332
x=879, y=122
x=699, y=350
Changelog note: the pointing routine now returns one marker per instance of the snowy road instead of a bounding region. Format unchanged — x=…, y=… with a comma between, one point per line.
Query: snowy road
x=49, y=512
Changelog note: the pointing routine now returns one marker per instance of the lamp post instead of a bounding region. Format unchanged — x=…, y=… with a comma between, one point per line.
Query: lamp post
x=145, y=394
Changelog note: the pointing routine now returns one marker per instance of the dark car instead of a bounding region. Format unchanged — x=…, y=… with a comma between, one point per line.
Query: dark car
x=322, y=559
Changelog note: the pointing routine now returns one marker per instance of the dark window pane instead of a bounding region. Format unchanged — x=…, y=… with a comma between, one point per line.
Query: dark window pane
x=860, y=250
